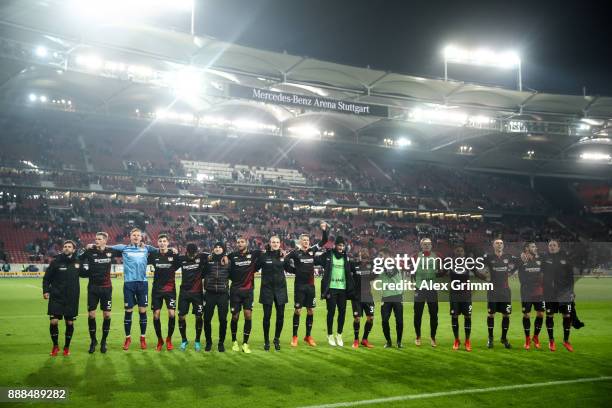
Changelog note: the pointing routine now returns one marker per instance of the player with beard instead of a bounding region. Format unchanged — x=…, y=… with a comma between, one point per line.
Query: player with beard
x=242, y=274
x=301, y=262
x=216, y=285
x=165, y=264
x=532, y=292
x=61, y=288
x=499, y=300
x=363, y=302
x=337, y=286
x=558, y=272
x=273, y=290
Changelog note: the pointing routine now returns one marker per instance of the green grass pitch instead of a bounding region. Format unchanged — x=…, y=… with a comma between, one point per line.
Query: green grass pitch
x=305, y=376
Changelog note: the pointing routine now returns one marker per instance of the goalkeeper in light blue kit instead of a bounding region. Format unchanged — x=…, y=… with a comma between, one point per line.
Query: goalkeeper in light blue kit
x=136, y=286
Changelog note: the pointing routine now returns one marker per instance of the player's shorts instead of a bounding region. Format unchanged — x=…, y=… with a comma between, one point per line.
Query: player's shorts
x=241, y=299
x=269, y=294
x=186, y=299
x=135, y=293
x=158, y=298
x=457, y=308
x=58, y=310
x=499, y=307
x=361, y=308
x=304, y=296
x=101, y=295
x=537, y=306
x=559, y=307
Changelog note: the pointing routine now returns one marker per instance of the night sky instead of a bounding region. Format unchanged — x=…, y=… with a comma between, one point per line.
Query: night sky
x=564, y=45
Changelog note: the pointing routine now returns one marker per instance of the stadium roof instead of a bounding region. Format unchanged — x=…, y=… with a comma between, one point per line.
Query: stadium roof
x=553, y=118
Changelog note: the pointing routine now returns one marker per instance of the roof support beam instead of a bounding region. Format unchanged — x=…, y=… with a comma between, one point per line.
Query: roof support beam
x=588, y=106
x=529, y=98
x=292, y=68
x=451, y=93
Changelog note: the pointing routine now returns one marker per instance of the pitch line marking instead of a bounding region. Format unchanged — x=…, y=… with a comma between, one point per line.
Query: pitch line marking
x=458, y=392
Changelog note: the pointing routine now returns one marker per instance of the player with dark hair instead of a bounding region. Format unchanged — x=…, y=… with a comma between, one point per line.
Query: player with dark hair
x=425, y=274
x=96, y=264
x=216, y=285
x=558, y=273
x=337, y=286
x=242, y=274
x=532, y=292
x=499, y=300
x=190, y=293
x=392, y=298
x=301, y=262
x=363, y=302
x=61, y=288
x=273, y=290
x=165, y=264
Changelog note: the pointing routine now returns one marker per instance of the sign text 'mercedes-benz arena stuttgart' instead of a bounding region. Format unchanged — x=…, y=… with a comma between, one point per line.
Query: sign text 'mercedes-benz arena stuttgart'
x=307, y=101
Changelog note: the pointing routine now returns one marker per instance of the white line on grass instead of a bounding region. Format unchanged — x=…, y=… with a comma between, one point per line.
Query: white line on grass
x=458, y=392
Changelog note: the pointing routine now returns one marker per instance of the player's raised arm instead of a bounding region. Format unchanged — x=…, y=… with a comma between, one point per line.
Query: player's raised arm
x=324, y=237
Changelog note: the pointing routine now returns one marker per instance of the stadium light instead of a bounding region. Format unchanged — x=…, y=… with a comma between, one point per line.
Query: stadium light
x=89, y=61
x=485, y=58
x=305, y=131
x=130, y=10
x=43, y=98
x=247, y=125
x=403, y=142
x=32, y=97
x=442, y=115
x=595, y=156
x=41, y=51
x=187, y=83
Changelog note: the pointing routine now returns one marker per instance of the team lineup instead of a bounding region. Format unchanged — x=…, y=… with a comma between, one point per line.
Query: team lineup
x=224, y=282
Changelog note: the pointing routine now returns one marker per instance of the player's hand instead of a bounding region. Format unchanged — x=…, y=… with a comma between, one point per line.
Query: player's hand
x=323, y=225
x=90, y=246
x=46, y=295
x=174, y=251
x=524, y=257
x=224, y=260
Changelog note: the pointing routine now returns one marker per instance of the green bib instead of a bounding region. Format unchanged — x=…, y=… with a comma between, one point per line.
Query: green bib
x=426, y=271
x=338, y=279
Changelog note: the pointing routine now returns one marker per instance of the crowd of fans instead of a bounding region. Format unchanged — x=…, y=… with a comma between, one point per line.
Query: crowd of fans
x=48, y=221
x=151, y=159
x=492, y=194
